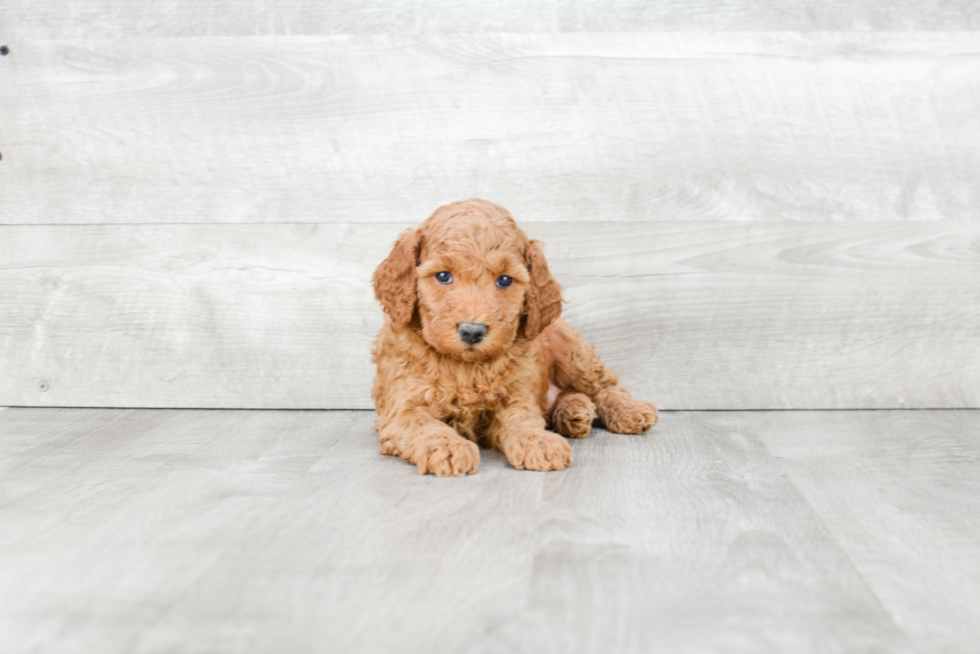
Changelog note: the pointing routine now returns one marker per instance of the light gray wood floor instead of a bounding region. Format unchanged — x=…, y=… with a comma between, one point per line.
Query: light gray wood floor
x=286, y=531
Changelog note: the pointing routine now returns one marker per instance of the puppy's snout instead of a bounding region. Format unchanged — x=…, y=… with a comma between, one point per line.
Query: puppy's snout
x=471, y=332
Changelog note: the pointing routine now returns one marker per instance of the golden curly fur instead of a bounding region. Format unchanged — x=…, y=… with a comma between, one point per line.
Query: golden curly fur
x=466, y=356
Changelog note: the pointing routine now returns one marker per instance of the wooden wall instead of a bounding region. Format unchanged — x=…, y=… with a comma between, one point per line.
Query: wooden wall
x=750, y=207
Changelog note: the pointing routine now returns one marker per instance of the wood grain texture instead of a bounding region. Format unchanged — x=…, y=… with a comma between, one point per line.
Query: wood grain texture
x=74, y=19
x=609, y=576
x=226, y=532
x=692, y=315
x=900, y=491
x=147, y=514
x=822, y=127
x=41, y=446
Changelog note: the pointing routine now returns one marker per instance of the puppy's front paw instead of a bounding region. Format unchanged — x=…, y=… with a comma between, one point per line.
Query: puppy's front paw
x=623, y=414
x=447, y=456
x=537, y=449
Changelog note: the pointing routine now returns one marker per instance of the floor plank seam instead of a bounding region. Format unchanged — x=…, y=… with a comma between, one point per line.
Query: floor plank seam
x=788, y=475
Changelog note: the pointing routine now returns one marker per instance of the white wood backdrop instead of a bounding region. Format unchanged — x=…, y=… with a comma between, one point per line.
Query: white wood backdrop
x=72, y=19
x=193, y=195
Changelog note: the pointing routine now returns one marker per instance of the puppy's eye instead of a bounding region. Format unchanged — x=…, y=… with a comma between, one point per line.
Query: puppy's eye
x=504, y=281
x=443, y=277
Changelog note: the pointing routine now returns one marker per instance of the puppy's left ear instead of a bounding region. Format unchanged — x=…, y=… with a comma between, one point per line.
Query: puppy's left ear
x=394, y=279
x=542, y=301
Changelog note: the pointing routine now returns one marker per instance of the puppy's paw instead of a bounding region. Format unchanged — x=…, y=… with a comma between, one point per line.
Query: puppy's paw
x=573, y=415
x=634, y=419
x=447, y=456
x=537, y=449
x=623, y=414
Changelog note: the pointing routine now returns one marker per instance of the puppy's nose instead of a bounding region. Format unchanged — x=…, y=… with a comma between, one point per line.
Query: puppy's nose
x=471, y=332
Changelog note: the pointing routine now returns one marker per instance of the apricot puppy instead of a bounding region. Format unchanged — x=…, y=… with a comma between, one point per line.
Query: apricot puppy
x=473, y=351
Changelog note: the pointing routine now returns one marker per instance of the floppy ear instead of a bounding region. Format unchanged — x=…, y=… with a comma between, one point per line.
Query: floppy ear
x=542, y=301
x=394, y=279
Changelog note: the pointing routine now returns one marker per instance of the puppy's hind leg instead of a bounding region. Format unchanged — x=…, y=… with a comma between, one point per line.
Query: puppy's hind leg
x=577, y=369
x=573, y=415
x=622, y=413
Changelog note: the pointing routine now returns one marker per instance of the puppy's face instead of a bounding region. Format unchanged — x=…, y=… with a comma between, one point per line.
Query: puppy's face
x=470, y=302
x=473, y=279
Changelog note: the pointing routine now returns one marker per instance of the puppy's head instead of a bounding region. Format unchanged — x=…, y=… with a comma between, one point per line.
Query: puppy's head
x=472, y=279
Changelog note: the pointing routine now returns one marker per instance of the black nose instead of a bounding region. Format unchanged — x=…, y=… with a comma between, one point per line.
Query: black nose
x=471, y=332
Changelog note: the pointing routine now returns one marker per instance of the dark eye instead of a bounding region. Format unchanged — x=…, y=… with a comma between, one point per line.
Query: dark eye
x=504, y=281
x=444, y=277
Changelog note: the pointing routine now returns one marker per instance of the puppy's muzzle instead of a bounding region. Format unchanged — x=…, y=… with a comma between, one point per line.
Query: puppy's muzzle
x=471, y=333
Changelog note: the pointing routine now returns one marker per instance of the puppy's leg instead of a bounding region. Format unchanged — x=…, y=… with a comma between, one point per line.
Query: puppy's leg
x=573, y=414
x=519, y=432
x=577, y=368
x=622, y=413
x=433, y=446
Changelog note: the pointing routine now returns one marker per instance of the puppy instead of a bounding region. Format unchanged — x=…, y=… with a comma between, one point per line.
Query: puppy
x=473, y=351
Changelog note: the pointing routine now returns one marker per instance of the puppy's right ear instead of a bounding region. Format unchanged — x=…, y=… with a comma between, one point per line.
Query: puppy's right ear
x=394, y=280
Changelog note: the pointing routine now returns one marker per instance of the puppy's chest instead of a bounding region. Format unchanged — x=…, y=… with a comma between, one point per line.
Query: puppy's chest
x=474, y=394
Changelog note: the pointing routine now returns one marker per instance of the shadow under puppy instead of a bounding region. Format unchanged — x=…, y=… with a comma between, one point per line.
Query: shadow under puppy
x=473, y=351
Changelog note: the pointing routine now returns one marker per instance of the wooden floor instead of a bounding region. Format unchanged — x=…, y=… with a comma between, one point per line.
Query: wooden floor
x=286, y=531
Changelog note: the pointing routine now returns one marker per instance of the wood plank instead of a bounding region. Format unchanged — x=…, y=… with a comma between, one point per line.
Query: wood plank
x=689, y=540
x=622, y=127
x=71, y=438
x=360, y=536
x=100, y=550
x=899, y=490
x=231, y=532
x=692, y=315
x=79, y=19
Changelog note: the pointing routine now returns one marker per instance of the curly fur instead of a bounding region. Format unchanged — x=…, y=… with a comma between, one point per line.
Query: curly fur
x=437, y=396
